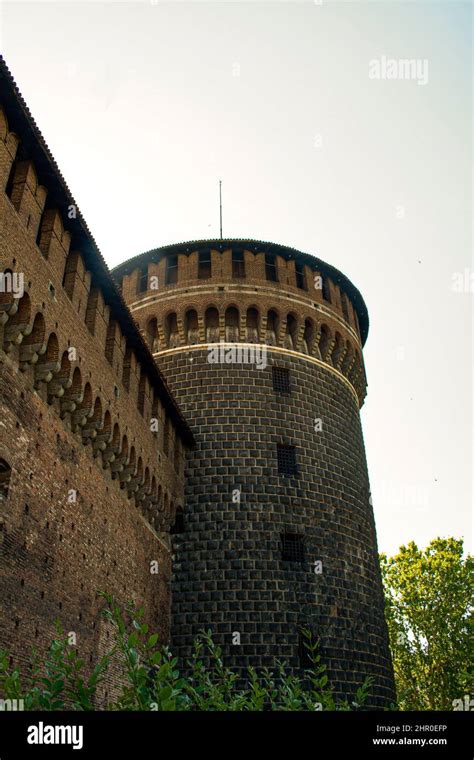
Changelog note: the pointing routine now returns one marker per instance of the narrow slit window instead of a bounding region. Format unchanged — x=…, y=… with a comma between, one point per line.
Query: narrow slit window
x=326, y=290
x=300, y=276
x=38, y=236
x=178, y=526
x=204, y=266
x=271, y=267
x=345, y=308
x=11, y=179
x=172, y=270
x=143, y=281
x=238, y=264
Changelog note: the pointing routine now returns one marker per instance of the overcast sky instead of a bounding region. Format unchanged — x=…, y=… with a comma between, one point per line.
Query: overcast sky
x=145, y=106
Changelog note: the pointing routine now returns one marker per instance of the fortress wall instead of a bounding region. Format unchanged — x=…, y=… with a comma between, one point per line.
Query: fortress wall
x=92, y=444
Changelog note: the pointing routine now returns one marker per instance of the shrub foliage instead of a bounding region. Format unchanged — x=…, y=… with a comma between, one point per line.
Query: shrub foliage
x=150, y=679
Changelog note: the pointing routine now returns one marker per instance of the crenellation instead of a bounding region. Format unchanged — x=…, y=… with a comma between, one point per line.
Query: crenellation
x=54, y=241
x=27, y=195
x=9, y=143
x=165, y=319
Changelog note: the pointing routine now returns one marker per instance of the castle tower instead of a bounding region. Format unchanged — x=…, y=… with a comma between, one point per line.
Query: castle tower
x=261, y=346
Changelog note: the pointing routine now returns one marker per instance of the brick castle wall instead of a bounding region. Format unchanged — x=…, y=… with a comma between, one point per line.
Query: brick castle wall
x=56, y=553
x=91, y=442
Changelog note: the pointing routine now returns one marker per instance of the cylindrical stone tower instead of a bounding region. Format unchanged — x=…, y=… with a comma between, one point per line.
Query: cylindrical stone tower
x=261, y=346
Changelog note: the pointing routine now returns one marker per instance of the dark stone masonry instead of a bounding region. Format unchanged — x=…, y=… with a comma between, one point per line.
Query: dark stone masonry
x=230, y=573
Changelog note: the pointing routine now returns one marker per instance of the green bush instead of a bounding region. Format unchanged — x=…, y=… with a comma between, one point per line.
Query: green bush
x=150, y=679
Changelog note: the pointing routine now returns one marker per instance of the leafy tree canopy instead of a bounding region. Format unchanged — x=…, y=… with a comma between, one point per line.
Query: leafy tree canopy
x=428, y=607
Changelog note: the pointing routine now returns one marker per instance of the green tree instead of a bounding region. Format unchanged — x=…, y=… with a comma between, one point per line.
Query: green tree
x=428, y=607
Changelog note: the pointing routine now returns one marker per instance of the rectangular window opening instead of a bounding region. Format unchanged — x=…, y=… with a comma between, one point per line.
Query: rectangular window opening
x=286, y=460
x=204, y=265
x=238, y=264
x=326, y=290
x=281, y=380
x=292, y=547
x=271, y=268
x=171, y=270
x=143, y=281
x=345, y=309
x=300, y=277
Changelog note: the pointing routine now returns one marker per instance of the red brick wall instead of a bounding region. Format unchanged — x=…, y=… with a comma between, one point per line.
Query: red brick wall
x=56, y=554
x=330, y=333
x=93, y=438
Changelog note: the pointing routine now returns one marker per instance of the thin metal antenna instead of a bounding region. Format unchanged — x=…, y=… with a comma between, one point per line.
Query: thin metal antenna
x=220, y=205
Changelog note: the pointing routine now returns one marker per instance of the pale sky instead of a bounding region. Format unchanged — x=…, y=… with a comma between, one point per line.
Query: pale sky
x=145, y=106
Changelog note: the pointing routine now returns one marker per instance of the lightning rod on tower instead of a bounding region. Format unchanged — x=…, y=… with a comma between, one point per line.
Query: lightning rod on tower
x=220, y=205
